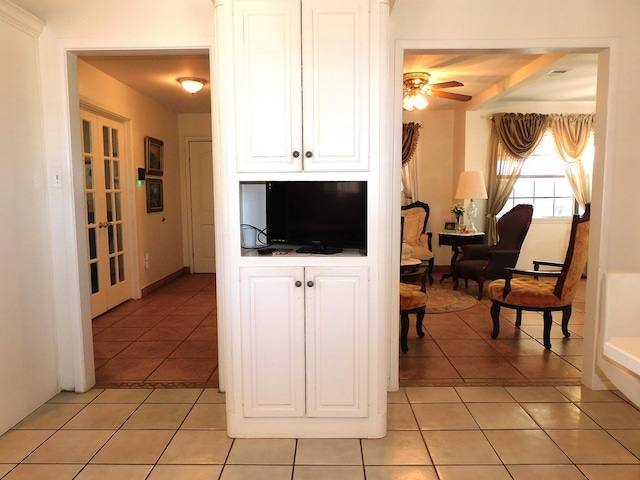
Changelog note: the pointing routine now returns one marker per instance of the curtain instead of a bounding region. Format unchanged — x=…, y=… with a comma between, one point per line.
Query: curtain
x=410, y=135
x=571, y=134
x=514, y=136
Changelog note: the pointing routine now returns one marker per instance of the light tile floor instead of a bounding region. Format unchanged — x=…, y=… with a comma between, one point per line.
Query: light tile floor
x=445, y=433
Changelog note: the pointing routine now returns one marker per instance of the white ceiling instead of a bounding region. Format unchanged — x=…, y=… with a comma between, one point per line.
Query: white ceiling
x=491, y=78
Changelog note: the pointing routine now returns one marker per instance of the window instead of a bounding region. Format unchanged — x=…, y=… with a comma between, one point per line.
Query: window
x=543, y=184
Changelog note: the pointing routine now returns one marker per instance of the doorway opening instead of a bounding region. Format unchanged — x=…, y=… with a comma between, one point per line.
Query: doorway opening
x=162, y=329
x=413, y=50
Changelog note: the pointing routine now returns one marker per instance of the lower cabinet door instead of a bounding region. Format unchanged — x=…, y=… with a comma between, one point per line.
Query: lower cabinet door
x=304, y=341
x=337, y=341
x=272, y=341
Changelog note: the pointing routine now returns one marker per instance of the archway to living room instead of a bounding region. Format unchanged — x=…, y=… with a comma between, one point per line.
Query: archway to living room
x=440, y=195
x=165, y=332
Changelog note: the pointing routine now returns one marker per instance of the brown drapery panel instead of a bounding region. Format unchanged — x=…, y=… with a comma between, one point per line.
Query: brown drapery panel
x=410, y=134
x=514, y=136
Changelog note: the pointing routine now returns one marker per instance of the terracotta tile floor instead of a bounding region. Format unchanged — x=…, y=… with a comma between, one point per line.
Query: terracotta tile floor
x=458, y=350
x=169, y=339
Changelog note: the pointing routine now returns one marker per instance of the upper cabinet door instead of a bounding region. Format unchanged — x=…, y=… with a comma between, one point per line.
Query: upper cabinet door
x=335, y=65
x=268, y=85
x=302, y=97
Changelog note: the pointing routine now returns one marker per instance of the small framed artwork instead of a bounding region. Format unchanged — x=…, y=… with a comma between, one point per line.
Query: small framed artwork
x=449, y=225
x=154, y=156
x=154, y=195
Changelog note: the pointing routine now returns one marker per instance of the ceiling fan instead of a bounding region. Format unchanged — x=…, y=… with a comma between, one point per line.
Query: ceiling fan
x=417, y=88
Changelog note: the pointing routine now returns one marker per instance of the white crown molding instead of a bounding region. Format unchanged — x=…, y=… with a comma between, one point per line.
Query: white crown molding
x=20, y=18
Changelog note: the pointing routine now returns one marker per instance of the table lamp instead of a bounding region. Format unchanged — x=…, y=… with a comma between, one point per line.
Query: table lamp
x=470, y=186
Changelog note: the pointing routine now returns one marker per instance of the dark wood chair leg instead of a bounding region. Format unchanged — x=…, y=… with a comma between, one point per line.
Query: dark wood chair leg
x=546, y=335
x=480, y=287
x=430, y=271
x=495, y=316
x=566, y=315
x=404, y=331
x=419, y=320
x=518, y=317
x=455, y=278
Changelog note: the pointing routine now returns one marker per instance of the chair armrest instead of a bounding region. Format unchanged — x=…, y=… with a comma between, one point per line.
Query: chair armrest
x=475, y=252
x=537, y=263
x=498, y=260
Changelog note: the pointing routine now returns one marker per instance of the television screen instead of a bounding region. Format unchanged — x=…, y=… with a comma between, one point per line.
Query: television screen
x=322, y=217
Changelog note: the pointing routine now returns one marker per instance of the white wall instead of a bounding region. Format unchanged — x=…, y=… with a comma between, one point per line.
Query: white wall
x=28, y=375
x=159, y=233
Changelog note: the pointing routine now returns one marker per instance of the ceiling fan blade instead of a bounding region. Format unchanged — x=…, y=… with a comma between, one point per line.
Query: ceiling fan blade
x=451, y=96
x=450, y=84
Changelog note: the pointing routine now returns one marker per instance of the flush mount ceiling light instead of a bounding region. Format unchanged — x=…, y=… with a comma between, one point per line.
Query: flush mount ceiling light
x=192, y=84
x=417, y=88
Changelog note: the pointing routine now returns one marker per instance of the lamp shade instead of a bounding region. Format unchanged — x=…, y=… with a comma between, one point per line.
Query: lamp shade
x=471, y=185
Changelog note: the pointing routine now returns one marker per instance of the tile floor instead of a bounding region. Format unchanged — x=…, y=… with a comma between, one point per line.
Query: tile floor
x=445, y=433
x=457, y=348
x=489, y=409
x=166, y=339
x=169, y=339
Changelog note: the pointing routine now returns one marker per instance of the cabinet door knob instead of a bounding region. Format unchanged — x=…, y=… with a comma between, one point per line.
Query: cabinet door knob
x=298, y=283
x=296, y=154
x=309, y=283
x=308, y=154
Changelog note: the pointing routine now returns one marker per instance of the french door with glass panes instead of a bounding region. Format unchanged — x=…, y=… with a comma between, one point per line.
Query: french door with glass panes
x=103, y=157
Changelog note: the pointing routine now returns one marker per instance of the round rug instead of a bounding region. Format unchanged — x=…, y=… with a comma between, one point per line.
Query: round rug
x=443, y=301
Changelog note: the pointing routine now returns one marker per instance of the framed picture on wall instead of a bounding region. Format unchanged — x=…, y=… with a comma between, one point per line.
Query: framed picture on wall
x=154, y=156
x=155, y=201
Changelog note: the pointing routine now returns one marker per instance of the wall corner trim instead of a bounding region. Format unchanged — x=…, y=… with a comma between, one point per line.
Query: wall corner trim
x=20, y=18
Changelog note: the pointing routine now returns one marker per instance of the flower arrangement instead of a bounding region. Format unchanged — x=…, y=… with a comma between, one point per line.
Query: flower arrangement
x=457, y=209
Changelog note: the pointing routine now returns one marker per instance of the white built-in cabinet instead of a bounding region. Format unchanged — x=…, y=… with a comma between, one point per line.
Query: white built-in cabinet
x=302, y=90
x=304, y=341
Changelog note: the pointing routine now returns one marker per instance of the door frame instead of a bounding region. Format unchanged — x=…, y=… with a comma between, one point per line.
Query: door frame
x=606, y=49
x=186, y=198
x=129, y=206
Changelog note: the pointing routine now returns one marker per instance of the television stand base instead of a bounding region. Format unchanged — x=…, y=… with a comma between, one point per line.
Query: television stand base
x=319, y=250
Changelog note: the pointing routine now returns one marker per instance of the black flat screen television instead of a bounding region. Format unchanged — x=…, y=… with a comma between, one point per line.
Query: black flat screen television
x=322, y=217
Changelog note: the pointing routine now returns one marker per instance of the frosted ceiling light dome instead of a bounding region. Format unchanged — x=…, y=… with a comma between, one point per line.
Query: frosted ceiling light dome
x=191, y=84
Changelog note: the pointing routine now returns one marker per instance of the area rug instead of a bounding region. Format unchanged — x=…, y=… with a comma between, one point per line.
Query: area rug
x=443, y=301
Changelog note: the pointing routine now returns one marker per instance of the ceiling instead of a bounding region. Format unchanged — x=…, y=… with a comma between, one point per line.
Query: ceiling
x=491, y=78
x=156, y=76
x=494, y=78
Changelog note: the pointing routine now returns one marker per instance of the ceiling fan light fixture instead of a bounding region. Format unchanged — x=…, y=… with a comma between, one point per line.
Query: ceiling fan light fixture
x=192, y=84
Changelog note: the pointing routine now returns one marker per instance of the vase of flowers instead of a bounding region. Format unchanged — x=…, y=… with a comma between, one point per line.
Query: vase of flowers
x=458, y=210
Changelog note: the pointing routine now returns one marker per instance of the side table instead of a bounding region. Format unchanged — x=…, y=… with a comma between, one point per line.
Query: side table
x=455, y=240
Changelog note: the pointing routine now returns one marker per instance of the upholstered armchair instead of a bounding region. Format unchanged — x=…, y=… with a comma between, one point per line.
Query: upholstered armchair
x=544, y=291
x=415, y=235
x=487, y=262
